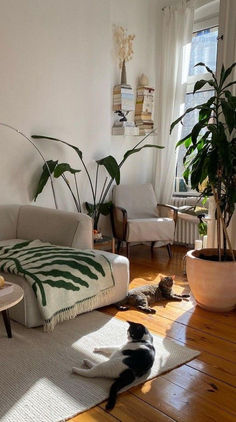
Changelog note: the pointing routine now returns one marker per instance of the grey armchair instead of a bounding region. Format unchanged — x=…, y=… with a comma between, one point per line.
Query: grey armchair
x=136, y=217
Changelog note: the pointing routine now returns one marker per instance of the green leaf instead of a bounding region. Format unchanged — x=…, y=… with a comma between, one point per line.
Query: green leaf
x=188, y=142
x=230, y=84
x=198, y=107
x=205, y=113
x=78, y=151
x=199, y=84
x=188, y=152
x=202, y=228
x=212, y=165
x=186, y=174
x=231, y=98
x=45, y=176
x=222, y=73
x=199, y=169
x=226, y=73
x=182, y=141
x=62, y=168
x=208, y=69
x=204, y=200
x=229, y=115
x=111, y=166
x=133, y=151
x=196, y=130
x=90, y=208
x=176, y=122
x=105, y=208
x=200, y=144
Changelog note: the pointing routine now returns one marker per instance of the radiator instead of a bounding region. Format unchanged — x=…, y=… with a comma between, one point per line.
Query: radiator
x=186, y=231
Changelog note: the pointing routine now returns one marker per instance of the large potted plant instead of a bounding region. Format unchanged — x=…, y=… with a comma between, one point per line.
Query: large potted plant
x=113, y=168
x=210, y=161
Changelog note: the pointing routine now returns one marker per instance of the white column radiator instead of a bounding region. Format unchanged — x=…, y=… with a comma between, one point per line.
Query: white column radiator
x=186, y=230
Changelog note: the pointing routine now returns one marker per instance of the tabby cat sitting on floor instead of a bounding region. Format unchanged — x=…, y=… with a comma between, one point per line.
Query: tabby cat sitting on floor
x=126, y=363
x=144, y=296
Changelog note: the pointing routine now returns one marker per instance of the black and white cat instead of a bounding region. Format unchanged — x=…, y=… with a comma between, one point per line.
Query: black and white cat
x=126, y=363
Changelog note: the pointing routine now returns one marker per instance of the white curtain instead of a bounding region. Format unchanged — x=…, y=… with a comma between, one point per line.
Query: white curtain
x=226, y=55
x=177, y=28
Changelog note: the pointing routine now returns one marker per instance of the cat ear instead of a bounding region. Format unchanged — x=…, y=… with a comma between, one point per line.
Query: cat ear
x=131, y=322
x=173, y=276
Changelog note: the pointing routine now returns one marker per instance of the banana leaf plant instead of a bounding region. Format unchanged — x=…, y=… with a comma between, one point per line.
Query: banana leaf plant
x=211, y=151
x=99, y=205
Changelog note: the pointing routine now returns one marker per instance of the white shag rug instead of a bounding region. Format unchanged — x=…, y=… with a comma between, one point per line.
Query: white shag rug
x=35, y=367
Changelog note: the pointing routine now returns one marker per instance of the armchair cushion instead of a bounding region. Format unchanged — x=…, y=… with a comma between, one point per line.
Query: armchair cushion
x=150, y=229
x=138, y=200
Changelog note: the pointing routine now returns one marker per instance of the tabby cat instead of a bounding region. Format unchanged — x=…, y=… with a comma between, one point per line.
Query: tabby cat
x=126, y=363
x=143, y=296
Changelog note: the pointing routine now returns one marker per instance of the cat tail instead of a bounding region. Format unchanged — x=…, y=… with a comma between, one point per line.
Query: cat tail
x=125, y=378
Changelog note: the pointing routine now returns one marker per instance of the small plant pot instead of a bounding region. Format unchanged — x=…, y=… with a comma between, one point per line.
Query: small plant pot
x=97, y=234
x=212, y=283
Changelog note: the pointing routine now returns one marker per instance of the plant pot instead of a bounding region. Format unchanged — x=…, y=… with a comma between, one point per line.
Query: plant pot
x=212, y=283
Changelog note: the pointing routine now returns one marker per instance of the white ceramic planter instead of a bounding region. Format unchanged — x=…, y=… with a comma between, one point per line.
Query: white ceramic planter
x=212, y=283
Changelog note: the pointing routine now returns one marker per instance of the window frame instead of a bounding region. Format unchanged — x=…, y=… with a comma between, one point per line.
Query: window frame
x=199, y=25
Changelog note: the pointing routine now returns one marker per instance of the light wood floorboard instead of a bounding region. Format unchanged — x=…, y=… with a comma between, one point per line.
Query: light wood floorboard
x=202, y=390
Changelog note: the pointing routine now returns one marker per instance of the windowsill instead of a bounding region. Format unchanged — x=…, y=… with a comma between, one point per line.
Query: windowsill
x=185, y=194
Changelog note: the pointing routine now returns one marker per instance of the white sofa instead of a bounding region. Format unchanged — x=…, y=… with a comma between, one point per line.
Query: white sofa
x=27, y=222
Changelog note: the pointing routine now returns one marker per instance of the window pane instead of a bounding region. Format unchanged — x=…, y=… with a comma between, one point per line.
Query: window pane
x=191, y=100
x=203, y=49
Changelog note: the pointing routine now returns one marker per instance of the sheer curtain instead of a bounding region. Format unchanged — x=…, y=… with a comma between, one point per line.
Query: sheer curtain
x=177, y=28
x=227, y=56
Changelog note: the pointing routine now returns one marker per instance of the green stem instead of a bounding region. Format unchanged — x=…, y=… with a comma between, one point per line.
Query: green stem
x=89, y=178
x=72, y=193
x=97, y=212
x=41, y=155
x=96, y=182
x=77, y=191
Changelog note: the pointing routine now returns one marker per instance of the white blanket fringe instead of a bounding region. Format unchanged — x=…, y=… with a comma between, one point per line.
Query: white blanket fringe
x=86, y=306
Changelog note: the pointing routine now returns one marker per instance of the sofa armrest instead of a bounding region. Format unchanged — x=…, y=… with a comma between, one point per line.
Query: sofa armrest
x=83, y=237
x=119, y=219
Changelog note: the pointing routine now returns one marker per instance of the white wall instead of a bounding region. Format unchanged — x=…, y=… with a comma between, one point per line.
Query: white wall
x=56, y=77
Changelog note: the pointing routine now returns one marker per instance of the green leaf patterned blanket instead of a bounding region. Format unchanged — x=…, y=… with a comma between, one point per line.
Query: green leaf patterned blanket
x=62, y=278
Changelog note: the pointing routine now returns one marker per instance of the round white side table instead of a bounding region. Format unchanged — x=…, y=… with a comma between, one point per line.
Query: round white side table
x=7, y=300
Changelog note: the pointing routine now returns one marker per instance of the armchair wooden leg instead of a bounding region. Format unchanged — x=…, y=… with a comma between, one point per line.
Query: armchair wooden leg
x=169, y=250
x=127, y=249
x=118, y=246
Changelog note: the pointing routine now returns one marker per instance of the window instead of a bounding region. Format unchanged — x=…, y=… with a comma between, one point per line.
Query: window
x=203, y=49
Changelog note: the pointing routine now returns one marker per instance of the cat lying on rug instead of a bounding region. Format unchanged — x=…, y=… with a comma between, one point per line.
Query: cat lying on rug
x=143, y=296
x=126, y=363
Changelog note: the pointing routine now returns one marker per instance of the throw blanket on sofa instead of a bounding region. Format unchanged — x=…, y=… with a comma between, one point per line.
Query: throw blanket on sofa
x=62, y=278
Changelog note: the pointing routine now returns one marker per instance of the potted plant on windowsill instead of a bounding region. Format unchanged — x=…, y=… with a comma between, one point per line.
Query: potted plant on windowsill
x=211, y=158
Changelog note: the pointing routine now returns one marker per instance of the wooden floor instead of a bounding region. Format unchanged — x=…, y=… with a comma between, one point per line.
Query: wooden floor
x=202, y=390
